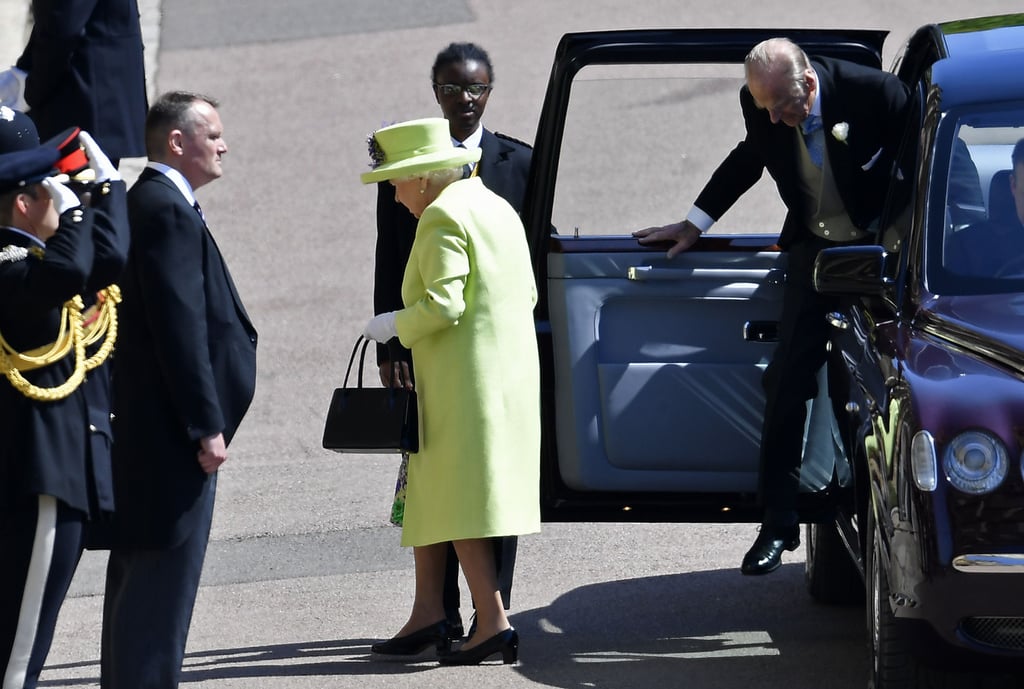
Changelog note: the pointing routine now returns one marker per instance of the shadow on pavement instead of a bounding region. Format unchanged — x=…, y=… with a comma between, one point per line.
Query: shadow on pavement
x=711, y=629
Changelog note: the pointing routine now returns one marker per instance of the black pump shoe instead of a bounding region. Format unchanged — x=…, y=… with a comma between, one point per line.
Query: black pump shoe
x=504, y=642
x=437, y=635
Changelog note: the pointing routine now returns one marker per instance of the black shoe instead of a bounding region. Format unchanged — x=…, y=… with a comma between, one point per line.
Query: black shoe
x=437, y=635
x=506, y=643
x=766, y=554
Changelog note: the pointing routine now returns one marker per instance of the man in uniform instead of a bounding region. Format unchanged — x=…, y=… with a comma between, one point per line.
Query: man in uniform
x=58, y=260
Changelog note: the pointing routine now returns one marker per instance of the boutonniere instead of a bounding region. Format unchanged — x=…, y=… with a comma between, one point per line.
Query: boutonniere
x=840, y=131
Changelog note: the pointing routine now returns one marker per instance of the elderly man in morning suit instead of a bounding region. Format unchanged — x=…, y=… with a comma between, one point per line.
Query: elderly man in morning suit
x=828, y=132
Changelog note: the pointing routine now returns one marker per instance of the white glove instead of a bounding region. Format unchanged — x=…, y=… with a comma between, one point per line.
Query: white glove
x=381, y=328
x=98, y=160
x=12, y=88
x=63, y=198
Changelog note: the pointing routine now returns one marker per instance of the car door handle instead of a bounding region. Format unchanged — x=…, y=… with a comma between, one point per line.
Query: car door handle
x=837, y=320
x=648, y=273
x=761, y=331
x=774, y=276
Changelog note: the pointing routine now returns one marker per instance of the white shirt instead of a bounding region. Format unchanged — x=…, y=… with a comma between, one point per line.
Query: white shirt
x=472, y=142
x=179, y=180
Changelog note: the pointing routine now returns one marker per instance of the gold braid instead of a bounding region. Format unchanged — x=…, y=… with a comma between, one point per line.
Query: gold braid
x=71, y=317
x=105, y=326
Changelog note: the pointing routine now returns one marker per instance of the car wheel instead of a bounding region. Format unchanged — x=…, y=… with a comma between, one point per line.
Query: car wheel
x=893, y=666
x=829, y=572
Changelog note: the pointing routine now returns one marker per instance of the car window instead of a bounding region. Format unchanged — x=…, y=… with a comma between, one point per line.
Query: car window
x=981, y=241
x=639, y=143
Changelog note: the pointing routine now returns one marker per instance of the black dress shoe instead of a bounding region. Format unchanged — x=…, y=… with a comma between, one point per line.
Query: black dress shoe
x=766, y=554
x=506, y=643
x=437, y=635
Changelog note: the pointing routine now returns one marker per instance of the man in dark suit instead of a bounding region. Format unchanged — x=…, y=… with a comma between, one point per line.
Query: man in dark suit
x=462, y=79
x=993, y=247
x=184, y=376
x=828, y=132
x=58, y=260
x=83, y=66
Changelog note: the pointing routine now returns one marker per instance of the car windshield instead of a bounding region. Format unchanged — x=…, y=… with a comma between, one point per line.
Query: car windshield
x=980, y=249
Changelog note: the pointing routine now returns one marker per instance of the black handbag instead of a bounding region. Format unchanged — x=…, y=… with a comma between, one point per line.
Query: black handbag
x=371, y=420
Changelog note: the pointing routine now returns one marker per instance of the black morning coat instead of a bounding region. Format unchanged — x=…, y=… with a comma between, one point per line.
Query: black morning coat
x=185, y=366
x=59, y=448
x=504, y=167
x=868, y=100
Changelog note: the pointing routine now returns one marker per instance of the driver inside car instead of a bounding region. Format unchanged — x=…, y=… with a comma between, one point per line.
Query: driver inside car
x=994, y=247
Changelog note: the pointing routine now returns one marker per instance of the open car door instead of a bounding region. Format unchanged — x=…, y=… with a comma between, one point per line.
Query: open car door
x=652, y=396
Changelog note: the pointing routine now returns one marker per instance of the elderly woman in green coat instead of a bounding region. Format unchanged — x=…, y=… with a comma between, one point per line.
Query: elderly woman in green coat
x=469, y=294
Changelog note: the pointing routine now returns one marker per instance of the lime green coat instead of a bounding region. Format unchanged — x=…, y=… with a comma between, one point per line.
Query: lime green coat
x=469, y=293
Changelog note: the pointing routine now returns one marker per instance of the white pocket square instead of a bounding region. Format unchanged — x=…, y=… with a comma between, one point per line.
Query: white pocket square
x=871, y=163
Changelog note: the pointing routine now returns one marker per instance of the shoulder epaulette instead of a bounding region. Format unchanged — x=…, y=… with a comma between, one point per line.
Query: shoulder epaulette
x=514, y=140
x=12, y=253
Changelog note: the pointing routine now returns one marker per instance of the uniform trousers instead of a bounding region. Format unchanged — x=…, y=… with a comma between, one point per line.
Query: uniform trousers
x=147, y=611
x=41, y=542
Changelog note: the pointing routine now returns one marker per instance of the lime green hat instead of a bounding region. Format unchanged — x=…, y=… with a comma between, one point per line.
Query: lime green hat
x=409, y=148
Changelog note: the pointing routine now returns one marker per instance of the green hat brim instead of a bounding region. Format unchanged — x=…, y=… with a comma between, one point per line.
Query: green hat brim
x=455, y=157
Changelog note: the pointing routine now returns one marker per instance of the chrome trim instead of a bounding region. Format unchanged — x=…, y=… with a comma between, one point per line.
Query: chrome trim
x=1002, y=563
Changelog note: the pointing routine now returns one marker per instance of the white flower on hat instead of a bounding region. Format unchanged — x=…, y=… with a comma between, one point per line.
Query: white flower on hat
x=840, y=131
x=6, y=113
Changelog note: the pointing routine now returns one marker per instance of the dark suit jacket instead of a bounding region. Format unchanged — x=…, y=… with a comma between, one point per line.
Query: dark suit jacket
x=504, y=168
x=872, y=102
x=85, y=68
x=49, y=447
x=185, y=365
x=983, y=249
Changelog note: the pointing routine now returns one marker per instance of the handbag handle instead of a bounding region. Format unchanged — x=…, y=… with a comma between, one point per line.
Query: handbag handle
x=362, y=357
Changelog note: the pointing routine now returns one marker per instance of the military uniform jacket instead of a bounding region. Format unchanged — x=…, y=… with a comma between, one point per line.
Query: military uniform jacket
x=85, y=67
x=185, y=367
x=46, y=446
x=504, y=168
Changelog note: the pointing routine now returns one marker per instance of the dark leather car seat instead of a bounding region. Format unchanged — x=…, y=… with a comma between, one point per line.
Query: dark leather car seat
x=1000, y=200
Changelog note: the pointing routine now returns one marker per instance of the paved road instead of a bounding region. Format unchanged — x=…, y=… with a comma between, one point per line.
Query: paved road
x=303, y=570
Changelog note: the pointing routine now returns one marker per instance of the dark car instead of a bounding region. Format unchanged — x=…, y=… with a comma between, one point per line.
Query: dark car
x=912, y=476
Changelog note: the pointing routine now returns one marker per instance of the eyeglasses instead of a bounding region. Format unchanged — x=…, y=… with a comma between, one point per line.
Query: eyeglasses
x=474, y=90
